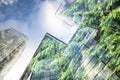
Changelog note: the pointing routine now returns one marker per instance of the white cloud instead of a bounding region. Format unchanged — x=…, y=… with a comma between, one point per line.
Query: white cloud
x=7, y=2
x=18, y=25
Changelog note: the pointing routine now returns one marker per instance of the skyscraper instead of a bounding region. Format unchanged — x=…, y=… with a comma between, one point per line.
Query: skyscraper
x=12, y=44
x=75, y=61
x=43, y=64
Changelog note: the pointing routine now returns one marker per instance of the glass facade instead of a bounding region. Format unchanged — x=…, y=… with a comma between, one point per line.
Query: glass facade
x=12, y=44
x=91, y=53
x=45, y=63
x=55, y=60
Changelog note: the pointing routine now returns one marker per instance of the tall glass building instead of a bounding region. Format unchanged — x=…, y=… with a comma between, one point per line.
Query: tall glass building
x=55, y=60
x=93, y=52
x=12, y=44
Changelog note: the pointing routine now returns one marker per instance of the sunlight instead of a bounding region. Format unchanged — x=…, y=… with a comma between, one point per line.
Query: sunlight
x=52, y=22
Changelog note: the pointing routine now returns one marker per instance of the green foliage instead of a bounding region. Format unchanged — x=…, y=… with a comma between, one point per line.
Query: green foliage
x=66, y=75
x=49, y=49
x=103, y=16
x=95, y=14
x=111, y=36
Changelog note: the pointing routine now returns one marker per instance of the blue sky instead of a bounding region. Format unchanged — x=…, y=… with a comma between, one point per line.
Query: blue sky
x=33, y=18
x=28, y=16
